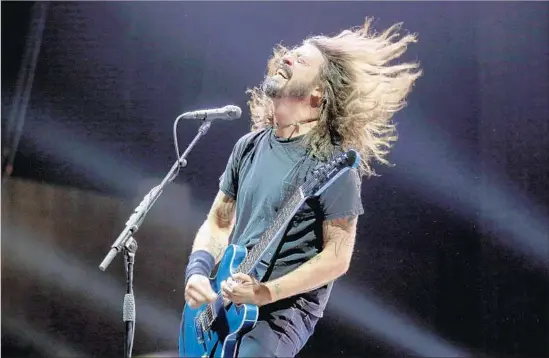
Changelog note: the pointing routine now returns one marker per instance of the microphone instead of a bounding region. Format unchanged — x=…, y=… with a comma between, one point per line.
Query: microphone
x=226, y=113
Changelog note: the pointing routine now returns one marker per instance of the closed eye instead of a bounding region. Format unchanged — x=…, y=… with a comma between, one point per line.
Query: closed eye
x=302, y=61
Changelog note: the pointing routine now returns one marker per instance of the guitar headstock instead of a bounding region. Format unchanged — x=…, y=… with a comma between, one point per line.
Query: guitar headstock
x=326, y=174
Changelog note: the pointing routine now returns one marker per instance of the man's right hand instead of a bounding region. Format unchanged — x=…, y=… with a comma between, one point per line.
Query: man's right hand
x=199, y=291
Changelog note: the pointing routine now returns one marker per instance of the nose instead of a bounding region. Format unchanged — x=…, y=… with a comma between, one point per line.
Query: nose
x=287, y=60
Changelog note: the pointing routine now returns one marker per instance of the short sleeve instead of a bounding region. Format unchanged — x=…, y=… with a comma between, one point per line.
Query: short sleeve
x=228, y=182
x=342, y=198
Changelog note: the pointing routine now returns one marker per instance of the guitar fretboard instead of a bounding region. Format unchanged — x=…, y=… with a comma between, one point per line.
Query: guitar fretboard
x=283, y=218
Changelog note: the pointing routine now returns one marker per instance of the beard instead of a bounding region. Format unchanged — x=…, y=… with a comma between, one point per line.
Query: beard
x=275, y=89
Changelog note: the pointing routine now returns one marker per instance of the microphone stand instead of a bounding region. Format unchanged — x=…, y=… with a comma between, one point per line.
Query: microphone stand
x=127, y=244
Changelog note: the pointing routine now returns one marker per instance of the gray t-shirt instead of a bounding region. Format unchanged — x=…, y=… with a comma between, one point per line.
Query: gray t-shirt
x=262, y=170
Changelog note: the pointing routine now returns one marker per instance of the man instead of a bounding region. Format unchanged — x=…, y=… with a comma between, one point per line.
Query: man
x=328, y=95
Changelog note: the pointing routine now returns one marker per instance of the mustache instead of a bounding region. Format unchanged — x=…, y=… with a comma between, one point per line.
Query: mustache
x=286, y=68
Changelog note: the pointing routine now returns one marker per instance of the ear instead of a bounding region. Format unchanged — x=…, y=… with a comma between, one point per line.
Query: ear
x=317, y=96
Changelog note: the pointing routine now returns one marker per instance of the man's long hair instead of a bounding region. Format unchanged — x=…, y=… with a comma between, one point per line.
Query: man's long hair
x=362, y=92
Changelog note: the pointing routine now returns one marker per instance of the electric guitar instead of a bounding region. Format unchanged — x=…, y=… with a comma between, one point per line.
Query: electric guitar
x=214, y=329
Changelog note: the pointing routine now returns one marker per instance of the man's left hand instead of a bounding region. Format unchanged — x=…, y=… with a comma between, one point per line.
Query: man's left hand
x=243, y=289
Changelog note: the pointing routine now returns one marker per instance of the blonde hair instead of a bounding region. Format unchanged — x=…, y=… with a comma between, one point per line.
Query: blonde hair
x=362, y=92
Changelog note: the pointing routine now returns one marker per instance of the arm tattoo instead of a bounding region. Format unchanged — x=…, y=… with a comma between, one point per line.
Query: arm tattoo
x=215, y=248
x=224, y=211
x=315, y=258
x=277, y=289
x=219, y=226
x=340, y=233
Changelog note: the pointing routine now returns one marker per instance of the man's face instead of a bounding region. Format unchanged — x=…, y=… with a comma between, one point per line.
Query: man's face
x=297, y=75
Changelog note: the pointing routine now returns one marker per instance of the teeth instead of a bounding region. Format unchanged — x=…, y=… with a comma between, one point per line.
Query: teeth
x=282, y=73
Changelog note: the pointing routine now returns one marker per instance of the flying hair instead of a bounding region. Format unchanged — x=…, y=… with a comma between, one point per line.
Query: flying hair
x=363, y=89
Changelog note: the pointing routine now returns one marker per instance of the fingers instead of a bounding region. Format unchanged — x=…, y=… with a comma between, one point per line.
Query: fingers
x=193, y=295
x=228, y=292
x=209, y=295
x=237, y=289
x=196, y=300
x=202, y=285
x=193, y=304
x=227, y=288
x=242, y=278
x=199, y=294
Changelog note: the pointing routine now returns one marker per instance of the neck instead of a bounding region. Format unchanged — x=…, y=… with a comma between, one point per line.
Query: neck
x=293, y=117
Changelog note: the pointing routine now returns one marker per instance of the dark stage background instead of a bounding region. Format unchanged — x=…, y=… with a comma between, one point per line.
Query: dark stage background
x=452, y=255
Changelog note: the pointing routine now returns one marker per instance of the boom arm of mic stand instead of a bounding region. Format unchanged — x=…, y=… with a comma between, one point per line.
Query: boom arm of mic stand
x=136, y=219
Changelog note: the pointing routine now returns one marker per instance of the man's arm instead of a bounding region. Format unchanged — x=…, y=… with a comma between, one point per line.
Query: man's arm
x=325, y=267
x=213, y=235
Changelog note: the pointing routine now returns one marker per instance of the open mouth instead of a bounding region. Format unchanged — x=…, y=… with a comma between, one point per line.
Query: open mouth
x=282, y=73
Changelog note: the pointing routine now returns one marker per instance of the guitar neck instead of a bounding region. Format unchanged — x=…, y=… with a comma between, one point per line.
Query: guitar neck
x=316, y=184
x=274, y=231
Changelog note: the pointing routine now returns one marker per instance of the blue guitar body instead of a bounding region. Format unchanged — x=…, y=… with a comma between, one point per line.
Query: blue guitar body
x=221, y=338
